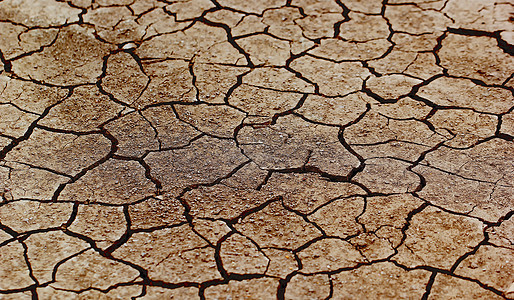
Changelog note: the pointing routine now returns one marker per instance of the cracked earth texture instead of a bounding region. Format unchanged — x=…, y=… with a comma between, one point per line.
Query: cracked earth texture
x=265, y=149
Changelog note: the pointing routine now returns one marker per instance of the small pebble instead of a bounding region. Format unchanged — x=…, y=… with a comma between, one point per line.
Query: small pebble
x=129, y=46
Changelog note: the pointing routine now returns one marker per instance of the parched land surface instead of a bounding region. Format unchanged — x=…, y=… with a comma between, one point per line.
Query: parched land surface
x=265, y=149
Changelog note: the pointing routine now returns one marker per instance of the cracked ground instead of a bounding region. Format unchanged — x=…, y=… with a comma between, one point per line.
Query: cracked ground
x=265, y=149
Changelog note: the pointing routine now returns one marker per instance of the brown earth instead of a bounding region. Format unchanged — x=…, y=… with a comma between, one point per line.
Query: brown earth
x=266, y=149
